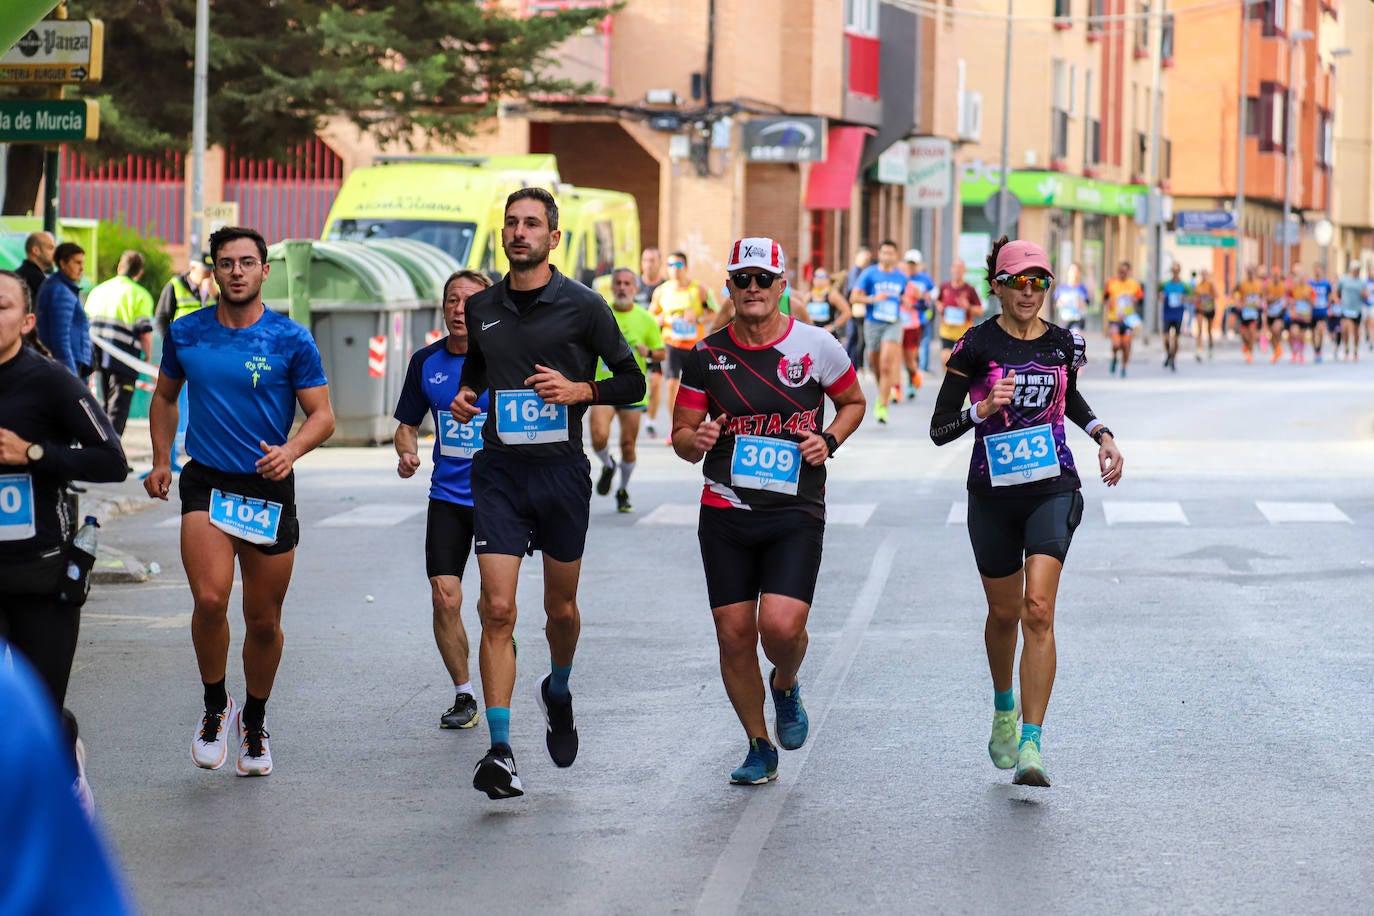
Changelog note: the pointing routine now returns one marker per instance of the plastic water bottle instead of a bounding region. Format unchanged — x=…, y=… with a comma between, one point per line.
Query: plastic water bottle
x=87, y=536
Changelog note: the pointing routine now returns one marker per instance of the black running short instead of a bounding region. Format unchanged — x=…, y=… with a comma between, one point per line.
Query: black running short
x=1175, y=325
x=521, y=505
x=653, y=366
x=1303, y=325
x=677, y=358
x=197, y=480
x=748, y=553
x=1005, y=528
x=448, y=538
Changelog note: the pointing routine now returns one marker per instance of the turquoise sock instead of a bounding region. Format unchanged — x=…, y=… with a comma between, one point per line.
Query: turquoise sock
x=558, y=681
x=1003, y=700
x=498, y=722
x=1030, y=733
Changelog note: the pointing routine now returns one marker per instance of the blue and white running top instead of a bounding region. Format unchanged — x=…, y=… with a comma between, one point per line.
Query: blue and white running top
x=430, y=386
x=242, y=383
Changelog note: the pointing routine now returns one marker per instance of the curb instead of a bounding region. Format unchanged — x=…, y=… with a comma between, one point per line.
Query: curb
x=115, y=567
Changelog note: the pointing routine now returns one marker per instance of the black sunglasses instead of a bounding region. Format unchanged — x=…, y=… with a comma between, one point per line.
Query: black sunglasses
x=742, y=280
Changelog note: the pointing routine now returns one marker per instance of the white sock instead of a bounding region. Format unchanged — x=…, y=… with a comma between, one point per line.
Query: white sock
x=626, y=469
x=605, y=455
x=465, y=687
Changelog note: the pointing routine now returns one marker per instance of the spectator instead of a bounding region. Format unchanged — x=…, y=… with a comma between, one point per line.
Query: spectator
x=62, y=324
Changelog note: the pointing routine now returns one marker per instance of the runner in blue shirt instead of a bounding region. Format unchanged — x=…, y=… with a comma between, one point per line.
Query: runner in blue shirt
x=430, y=386
x=1175, y=296
x=247, y=368
x=879, y=288
x=1350, y=292
x=1321, y=310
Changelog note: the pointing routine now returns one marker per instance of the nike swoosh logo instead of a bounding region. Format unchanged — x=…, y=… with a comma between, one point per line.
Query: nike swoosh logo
x=492, y=325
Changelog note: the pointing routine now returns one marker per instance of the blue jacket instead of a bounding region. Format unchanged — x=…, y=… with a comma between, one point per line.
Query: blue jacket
x=62, y=324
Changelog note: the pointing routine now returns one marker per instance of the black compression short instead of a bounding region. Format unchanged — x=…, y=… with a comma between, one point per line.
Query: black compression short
x=1005, y=528
x=750, y=553
x=197, y=480
x=448, y=538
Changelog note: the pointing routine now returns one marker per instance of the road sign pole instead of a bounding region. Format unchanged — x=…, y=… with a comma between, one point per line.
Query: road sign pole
x=198, y=130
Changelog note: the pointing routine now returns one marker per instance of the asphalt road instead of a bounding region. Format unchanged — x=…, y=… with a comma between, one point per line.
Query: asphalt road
x=1208, y=738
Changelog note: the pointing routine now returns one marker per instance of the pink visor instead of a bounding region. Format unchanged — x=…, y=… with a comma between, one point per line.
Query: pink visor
x=1019, y=256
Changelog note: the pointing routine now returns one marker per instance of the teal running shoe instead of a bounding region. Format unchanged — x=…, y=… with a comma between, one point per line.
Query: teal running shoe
x=760, y=765
x=1030, y=769
x=792, y=724
x=1005, y=734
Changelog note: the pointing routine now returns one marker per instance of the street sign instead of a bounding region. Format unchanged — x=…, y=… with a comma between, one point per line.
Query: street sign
x=1323, y=232
x=1013, y=209
x=1205, y=220
x=217, y=216
x=1203, y=240
x=1292, y=236
x=57, y=51
x=48, y=120
x=930, y=173
x=800, y=138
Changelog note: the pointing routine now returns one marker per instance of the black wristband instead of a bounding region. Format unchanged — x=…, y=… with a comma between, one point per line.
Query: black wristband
x=1100, y=432
x=831, y=443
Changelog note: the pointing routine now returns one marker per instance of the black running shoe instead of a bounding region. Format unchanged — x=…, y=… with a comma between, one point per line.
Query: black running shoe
x=495, y=774
x=622, y=501
x=561, y=737
x=463, y=714
x=603, y=483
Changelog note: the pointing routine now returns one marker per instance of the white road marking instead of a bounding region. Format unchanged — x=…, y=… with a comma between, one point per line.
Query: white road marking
x=1123, y=512
x=1282, y=513
x=958, y=513
x=372, y=515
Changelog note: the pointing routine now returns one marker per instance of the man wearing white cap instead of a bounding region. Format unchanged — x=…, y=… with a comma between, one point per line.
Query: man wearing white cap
x=752, y=404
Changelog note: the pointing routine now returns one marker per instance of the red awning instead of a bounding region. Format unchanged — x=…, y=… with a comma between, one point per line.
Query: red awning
x=831, y=184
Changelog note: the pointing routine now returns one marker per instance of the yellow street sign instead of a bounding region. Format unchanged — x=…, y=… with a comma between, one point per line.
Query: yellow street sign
x=57, y=51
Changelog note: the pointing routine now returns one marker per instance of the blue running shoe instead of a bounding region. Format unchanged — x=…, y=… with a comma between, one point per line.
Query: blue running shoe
x=760, y=765
x=792, y=723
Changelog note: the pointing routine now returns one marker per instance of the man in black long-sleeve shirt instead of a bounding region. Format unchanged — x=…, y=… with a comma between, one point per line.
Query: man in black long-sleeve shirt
x=533, y=342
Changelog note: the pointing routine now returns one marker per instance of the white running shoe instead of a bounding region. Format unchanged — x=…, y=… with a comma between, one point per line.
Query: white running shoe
x=81, y=788
x=255, y=757
x=210, y=743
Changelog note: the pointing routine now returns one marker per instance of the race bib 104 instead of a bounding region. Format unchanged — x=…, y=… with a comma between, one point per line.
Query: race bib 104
x=17, y=520
x=764, y=463
x=252, y=520
x=459, y=440
x=523, y=418
x=1021, y=456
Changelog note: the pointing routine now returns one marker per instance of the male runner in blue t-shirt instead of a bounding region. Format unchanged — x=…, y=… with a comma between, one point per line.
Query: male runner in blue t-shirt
x=247, y=368
x=1175, y=296
x=1321, y=309
x=430, y=385
x=880, y=289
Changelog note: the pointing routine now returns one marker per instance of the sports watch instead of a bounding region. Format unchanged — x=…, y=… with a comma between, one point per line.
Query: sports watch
x=34, y=452
x=831, y=443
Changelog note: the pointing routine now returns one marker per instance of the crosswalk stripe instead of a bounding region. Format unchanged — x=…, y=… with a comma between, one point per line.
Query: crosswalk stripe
x=1280, y=513
x=1123, y=512
x=850, y=514
x=958, y=513
x=372, y=515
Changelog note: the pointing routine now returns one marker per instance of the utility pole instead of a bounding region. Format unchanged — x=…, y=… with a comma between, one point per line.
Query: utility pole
x=1003, y=193
x=1155, y=203
x=198, y=118
x=52, y=159
x=1241, y=130
x=1289, y=131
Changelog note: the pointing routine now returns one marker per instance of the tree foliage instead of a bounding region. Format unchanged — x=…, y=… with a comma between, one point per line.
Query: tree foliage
x=278, y=68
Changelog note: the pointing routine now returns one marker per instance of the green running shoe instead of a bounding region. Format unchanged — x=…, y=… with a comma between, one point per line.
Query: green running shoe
x=1030, y=769
x=1002, y=744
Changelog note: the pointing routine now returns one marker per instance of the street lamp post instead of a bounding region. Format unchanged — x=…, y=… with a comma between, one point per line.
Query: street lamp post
x=198, y=119
x=1289, y=132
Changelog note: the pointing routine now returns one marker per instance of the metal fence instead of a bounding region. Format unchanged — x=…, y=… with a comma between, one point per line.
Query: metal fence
x=144, y=192
x=285, y=200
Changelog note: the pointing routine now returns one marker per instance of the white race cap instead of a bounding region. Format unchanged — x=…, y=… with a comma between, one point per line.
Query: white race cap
x=913, y=256
x=757, y=252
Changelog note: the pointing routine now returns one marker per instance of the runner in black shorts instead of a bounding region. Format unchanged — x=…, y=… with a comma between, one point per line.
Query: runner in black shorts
x=247, y=368
x=752, y=403
x=533, y=343
x=1021, y=375
x=431, y=382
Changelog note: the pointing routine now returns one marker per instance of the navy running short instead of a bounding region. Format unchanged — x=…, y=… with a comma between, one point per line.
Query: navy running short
x=521, y=505
x=1005, y=528
x=448, y=538
x=197, y=480
x=748, y=553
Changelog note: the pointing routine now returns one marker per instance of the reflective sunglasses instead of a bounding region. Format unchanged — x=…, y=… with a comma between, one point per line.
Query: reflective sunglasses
x=677, y=263
x=1024, y=281
x=742, y=280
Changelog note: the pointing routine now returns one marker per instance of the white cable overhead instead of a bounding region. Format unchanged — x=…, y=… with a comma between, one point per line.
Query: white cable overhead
x=932, y=9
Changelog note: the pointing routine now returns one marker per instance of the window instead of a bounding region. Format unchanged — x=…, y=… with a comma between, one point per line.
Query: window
x=1092, y=128
x=1272, y=13
x=861, y=16
x=1166, y=160
x=1059, y=136
x=1065, y=76
x=1325, y=140
x=1063, y=9
x=1266, y=117
x=1139, y=152
x=1096, y=10
x=1142, y=30
x=1166, y=39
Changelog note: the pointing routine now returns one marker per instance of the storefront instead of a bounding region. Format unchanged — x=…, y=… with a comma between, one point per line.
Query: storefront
x=1083, y=221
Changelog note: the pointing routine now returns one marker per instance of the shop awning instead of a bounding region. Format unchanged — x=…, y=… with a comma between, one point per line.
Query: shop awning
x=831, y=184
